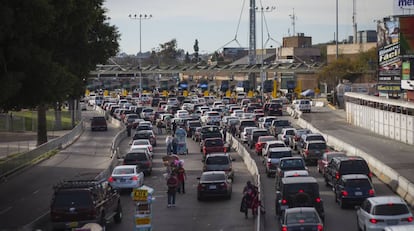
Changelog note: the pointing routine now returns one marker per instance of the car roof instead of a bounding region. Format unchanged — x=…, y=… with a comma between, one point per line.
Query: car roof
x=299, y=179
x=217, y=154
x=300, y=209
x=354, y=176
x=214, y=173
x=275, y=142
x=377, y=200
x=297, y=173
x=315, y=142
x=125, y=166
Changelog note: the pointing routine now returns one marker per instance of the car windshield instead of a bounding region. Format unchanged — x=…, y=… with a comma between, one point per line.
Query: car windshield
x=282, y=123
x=220, y=160
x=301, y=217
x=276, y=145
x=390, y=209
x=72, y=199
x=291, y=164
x=213, y=177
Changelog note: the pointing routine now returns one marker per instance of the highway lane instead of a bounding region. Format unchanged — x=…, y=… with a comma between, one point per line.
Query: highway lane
x=189, y=214
x=25, y=197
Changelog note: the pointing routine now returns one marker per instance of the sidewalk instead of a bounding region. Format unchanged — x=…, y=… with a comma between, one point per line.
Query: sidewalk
x=18, y=142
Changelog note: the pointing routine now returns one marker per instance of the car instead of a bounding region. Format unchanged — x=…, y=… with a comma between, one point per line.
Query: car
x=285, y=134
x=409, y=227
x=309, y=137
x=301, y=218
x=140, y=158
x=142, y=143
x=277, y=126
x=353, y=189
x=246, y=133
x=196, y=135
x=376, y=213
x=288, y=164
x=261, y=140
x=98, y=123
x=219, y=162
x=211, y=118
x=211, y=145
x=340, y=166
x=298, y=192
x=146, y=134
x=303, y=105
x=272, y=144
x=274, y=109
x=83, y=106
x=242, y=124
x=81, y=201
x=190, y=126
x=214, y=184
x=313, y=150
x=322, y=163
x=272, y=158
x=254, y=136
x=126, y=177
x=155, y=102
x=182, y=114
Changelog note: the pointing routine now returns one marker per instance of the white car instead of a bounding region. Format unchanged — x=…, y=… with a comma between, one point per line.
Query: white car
x=244, y=135
x=237, y=113
x=140, y=143
x=376, y=213
x=126, y=177
x=182, y=114
x=210, y=117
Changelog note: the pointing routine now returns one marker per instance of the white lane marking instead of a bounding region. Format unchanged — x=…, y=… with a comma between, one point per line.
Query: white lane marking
x=5, y=210
x=35, y=192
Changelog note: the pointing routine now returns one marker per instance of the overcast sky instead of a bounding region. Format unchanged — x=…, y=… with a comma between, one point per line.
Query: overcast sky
x=214, y=22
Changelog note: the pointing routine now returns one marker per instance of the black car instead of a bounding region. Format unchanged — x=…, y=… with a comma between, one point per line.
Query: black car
x=214, y=184
x=274, y=109
x=146, y=134
x=298, y=192
x=340, y=166
x=155, y=101
x=78, y=202
x=353, y=189
x=98, y=123
x=302, y=218
x=190, y=126
x=288, y=164
x=141, y=158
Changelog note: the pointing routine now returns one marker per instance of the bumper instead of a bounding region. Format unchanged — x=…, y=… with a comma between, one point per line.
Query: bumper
x=71, y=224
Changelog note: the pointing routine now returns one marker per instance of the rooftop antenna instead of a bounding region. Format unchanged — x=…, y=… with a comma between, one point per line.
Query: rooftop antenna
x=293, y=17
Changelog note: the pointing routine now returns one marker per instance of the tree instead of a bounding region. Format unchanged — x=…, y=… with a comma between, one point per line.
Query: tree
x=169, y=53
x=47, y=48
x=196, y=49
x=187, y=58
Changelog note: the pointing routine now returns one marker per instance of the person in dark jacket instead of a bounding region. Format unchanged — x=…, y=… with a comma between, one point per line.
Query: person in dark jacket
x=172, y=183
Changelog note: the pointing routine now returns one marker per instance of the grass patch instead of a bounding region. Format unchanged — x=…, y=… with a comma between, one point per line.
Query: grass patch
x=26, y=120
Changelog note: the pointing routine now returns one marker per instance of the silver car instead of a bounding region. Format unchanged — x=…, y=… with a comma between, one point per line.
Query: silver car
x=126, y=177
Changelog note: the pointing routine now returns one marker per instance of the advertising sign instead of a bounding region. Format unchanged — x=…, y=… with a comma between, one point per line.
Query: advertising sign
x=402, y=7
x=407, y=36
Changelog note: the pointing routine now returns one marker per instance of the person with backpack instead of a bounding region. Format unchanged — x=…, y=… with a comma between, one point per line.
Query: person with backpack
x=172, y=183
x=250, y=199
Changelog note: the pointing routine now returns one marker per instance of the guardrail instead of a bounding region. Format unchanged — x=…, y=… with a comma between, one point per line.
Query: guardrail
x=389, y=176
x=28, y=158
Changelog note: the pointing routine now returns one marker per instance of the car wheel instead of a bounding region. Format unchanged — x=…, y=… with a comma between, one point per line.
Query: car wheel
x=118, y=215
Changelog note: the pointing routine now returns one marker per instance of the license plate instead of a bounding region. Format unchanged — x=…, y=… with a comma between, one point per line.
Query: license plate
x=358, y=193
x=122, y=180
x=212, y=187
x=392, y=222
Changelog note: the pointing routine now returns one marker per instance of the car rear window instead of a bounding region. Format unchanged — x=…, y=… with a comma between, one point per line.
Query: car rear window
x=302, y=217
x=213, y=177
x=282, y=123
x=274, y=155
x=195, y=124
x=317, y=146
x=136, y=156
x=390, y=209
x=277, y=145
x=293, y=189
x=357, y=183
x=354, y=166
x=290, y=132
x=72, y=199
x=267, y=138
x=248, y=124
x=291, y=164
x=260, y=133
x=217, y=160
x=120, y=171
x=216, y=142
x=312, y=138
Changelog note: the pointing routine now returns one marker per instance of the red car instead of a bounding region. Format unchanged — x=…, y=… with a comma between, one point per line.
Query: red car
x=326, y=158
x=260, y=143
x=211, y=145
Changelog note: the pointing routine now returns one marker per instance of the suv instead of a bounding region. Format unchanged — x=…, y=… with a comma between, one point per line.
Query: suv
x=76, y=203
x=219, y=162
x=340, y=166
x=274, y=109
x=99, y=123
x=244, y=123
x=277, y=126
x=353, y=189
x=254, y=136
x=288, y=164
x=299, y=192
x=308, y=137
x=272, y=158
x=211, y=145
x=140, y=158
x=313, y=150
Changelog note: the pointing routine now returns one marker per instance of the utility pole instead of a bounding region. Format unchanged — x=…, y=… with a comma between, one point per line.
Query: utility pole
x=354, y=23
x=140, y=17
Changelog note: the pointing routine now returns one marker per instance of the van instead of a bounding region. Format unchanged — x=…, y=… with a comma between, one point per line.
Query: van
x=303, y=105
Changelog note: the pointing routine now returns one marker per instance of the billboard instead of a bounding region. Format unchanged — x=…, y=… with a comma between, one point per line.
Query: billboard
x=403, y=7
x=388, y=43
x=407, y=36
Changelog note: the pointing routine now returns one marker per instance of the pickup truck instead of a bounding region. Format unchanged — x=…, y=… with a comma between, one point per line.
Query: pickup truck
x=211, y=145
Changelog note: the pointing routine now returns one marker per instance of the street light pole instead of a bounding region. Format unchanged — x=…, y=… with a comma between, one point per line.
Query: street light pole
x=140, y=17
x=262, y=10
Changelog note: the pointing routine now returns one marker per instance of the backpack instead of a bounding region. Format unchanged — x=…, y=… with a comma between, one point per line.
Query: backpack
x=172, y=182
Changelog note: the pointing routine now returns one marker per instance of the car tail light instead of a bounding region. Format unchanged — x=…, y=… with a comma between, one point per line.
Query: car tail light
x=318, y=200
x=134, y=178
x=370, y=175
x=371, y=192
x=374, y=221
x=320, y=227
x=111, y=179
x=327, y=150
x=225, y=149
x=284, y=201
x=408, y=219
x=337, y=175
x=344, y=193
x=150, y=148
x=284, y=228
